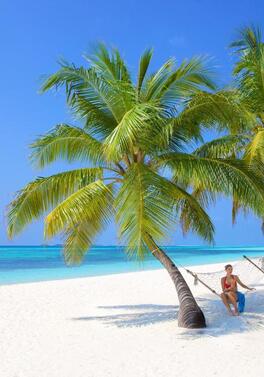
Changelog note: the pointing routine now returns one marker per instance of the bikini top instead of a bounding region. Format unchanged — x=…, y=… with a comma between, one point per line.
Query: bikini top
x=226, y=285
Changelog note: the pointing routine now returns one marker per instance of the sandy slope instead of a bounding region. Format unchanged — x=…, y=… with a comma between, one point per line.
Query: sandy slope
x=123, y=325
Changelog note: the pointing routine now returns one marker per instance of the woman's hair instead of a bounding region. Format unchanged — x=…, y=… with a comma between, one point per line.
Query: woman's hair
x=227, y=266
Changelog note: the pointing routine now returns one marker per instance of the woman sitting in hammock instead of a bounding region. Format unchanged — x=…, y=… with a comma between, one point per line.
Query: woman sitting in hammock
x=230, y=293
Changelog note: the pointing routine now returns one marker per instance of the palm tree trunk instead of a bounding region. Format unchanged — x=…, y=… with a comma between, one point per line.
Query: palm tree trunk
x=190, y=315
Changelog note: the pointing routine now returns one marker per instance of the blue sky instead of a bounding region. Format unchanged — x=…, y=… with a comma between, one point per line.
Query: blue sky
x=34, y=35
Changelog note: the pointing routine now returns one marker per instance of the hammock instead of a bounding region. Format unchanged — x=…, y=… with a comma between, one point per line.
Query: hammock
x=250, y=271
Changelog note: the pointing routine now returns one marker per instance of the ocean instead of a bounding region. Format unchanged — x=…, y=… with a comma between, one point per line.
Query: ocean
x=22, y=264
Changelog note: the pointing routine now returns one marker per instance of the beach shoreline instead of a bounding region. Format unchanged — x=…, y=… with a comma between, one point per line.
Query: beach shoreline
x=198, y=267
x=124, y=324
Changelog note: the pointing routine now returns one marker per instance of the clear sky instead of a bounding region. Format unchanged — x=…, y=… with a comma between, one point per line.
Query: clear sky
x=35, y=34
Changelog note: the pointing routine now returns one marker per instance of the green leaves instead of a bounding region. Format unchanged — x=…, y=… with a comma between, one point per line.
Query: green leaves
x=230, y=177
x=249, y=77
x=249, y=69
x=110, y=97
x=39, y=196
x=140, y=211
x=249, y=39
x=171, y=84
x=135, y=129
x=149, y=204
x=78, y=239
x=255, y=149
x=224, y=147
x=221, y=110
x=81, y=216
x=109, y=63
x=67, y=142
x=144, y=62
x=82, y=204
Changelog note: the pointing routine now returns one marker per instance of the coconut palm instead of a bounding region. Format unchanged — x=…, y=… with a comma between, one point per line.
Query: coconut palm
x=136, y=141
x=249, y=73
x=245, y=139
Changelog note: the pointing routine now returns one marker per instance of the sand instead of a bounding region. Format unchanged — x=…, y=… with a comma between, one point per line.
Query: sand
x=124, y=325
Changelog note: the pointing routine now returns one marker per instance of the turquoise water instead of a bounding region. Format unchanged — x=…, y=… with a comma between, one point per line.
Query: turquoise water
x=23, y=264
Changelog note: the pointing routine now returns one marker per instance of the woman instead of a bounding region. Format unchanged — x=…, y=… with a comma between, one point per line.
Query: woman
x=230, y=293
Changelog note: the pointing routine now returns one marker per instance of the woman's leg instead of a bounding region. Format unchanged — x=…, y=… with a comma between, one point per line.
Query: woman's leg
x=233, y=298
x=225, y=301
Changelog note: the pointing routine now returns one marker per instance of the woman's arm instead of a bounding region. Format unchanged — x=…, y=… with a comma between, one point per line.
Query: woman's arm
x=223, y=284
x=243, y=285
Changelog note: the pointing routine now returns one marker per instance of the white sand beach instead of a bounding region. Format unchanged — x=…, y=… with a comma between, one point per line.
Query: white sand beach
x=124, y=325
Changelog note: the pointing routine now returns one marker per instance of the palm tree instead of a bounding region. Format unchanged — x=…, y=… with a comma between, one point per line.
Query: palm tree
x=244, y=139
x=249, y=77
x=136, y=140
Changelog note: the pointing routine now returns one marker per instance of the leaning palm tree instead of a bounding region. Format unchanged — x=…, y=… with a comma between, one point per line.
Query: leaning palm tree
x=136, y=140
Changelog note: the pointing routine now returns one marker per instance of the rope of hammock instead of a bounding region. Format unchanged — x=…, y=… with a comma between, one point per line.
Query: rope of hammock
x=196, y=277
x=254, y=264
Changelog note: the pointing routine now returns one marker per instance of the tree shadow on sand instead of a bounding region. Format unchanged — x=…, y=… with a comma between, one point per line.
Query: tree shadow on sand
x=218, y=321
x=142, y=315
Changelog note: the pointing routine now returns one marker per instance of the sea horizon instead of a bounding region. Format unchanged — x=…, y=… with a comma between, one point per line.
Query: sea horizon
x=160, y=245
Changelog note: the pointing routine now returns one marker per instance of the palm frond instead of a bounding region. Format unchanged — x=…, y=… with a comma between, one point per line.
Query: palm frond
x=190, y=77
x=91, y=203
x=148, y=204
x=249, y=38
x=249, y=69
x=221, y=110
x=79, y=236
x=255, y=149
x=144, y=62
x=98, y=122
x=77, y=241
x=156, y=80
x=45, y=193
x=205, y=198
x=110, y=64
x=224, y=147
x=66, y=142
x=230, y=177
x=86, y=83
x=134, y=129
x=139, y=211
x=170, y=137
x=235, y=208
x=190, y=208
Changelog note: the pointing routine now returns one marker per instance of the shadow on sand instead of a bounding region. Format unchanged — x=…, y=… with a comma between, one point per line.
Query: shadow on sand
x=218, y=321
x=142, y=315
